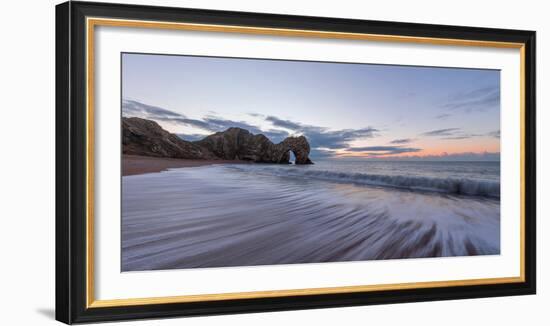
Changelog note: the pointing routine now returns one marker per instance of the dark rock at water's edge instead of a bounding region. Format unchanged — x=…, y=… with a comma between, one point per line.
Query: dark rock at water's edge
x=240, y=144
x=299, y=146
x=147, y=138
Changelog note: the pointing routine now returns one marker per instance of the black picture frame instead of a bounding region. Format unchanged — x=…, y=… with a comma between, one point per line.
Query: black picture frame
x=71, y=158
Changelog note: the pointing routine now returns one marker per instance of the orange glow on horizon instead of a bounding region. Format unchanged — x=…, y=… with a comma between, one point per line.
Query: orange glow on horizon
x=383, y=148
x=420, y=154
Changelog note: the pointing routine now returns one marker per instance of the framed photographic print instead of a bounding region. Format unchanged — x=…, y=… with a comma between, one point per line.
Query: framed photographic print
x=212, y=162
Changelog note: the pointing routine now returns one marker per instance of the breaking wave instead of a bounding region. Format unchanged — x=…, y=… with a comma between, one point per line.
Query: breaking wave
x=457, y=186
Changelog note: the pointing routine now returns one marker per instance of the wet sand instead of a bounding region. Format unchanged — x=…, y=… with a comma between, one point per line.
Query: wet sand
x=135, y=164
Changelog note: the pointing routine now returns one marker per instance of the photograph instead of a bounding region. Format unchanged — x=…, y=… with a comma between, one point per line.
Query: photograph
x=244, y=160
x=254, y=161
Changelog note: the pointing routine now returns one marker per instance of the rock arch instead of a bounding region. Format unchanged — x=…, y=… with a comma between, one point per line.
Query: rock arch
x=240, y=144
x=298, y=145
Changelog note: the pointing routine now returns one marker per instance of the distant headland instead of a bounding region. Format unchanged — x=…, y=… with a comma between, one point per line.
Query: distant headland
x=142, y=137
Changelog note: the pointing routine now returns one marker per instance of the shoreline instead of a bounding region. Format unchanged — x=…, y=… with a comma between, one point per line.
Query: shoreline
x=136, y=164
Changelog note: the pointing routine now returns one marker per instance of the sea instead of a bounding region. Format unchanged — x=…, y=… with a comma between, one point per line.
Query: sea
x=335, y=210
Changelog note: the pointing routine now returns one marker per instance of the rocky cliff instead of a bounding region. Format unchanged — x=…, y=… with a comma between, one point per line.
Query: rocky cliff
x=240, y=144
x=147, y=138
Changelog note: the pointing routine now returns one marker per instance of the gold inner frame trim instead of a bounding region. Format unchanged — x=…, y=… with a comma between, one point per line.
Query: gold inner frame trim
x=91, y=22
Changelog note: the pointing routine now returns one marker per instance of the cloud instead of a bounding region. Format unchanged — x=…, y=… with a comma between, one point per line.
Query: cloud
x=401, y=141
x=190, y=137
x=185, y=121
x=317, y=153
x=382, y=150
x=132, y=108
x=220, y=124
x=464, y=156
x=321, y=137
x=459, y=137
x=275, y=136
x=285, y=123
x=337, y=139
x=480, y=99
x=256, y=115
x=443, y=116
x=441, y=132
x=322, y=140
x=456, y=134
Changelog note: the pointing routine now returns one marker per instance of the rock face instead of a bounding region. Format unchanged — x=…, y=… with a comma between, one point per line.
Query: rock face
x=146, y=137
x=299, y=146
x=237, y=144
x=240, y=144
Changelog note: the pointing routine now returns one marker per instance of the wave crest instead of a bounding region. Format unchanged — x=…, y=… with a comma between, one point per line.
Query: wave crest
x=458, y=186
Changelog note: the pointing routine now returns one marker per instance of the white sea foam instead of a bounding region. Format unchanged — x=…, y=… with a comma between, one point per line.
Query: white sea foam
x=458, y=186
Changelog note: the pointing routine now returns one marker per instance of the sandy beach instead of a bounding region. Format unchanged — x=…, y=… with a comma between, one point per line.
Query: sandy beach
x=135, y=164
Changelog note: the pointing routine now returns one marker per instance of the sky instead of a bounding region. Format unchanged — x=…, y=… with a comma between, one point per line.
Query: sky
x=344, y=110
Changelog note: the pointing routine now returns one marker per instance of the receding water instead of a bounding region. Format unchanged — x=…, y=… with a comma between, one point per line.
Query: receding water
x=256, y=214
